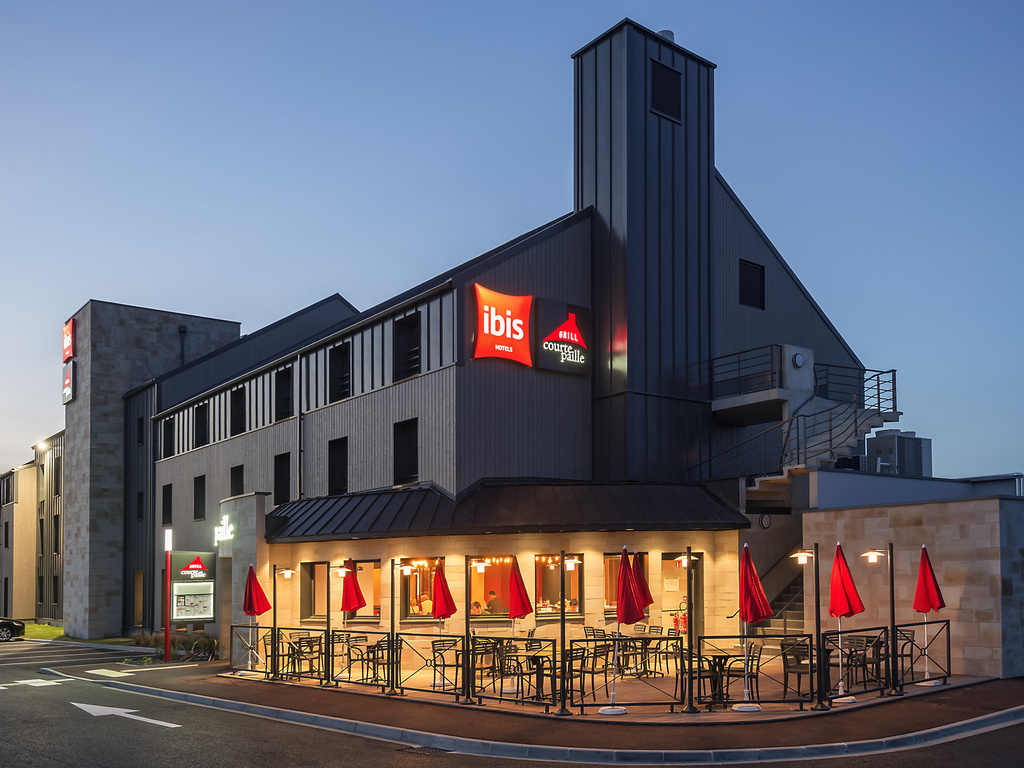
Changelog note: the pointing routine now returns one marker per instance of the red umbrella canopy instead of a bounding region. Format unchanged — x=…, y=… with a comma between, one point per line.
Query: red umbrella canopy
x=641, y=582
x=519, y=603
x=351, y=596
x=255, y=600
x=444, y=603
x=928, y=596
x=843, y=598
x=628, y=606
x=753, y=602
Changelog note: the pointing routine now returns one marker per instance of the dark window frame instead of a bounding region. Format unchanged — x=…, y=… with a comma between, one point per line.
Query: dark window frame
x=282, y=478
x=339, y=372
x=751, y=284
x=337, y=466
x=406, y=448
x=666, y=91
x=236, y=480
x=199, y=497
x=283, y=396
x=166, y=509
x=407, y=349
x=201, y=425
x=237, y=405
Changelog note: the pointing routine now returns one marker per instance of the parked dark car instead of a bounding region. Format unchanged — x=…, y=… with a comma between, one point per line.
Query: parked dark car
x=11, y=628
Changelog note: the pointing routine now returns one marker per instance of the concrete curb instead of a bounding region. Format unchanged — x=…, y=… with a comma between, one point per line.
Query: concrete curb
x=579, y=754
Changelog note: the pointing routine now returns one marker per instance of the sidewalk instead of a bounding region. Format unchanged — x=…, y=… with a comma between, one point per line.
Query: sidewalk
x=646, y=735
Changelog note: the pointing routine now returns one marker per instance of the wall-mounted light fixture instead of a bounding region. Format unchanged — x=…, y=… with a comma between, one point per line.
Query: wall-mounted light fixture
x=287, y=572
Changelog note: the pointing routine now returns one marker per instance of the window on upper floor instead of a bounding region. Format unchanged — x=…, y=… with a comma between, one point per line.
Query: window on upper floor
x=666, y=91
x=202, y=425
x=406, y=452
x=168, y=437
x=337, y=466
x=237, y=480
x=407, y=347
x=237, y=408
x=339, y=372
x=199, y=497
x=751, y=284
x=166, y=516
x=283, y=394
x=282, y=478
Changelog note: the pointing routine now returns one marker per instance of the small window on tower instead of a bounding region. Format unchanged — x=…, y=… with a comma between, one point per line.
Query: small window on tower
x=666, y=91
x=751, y=284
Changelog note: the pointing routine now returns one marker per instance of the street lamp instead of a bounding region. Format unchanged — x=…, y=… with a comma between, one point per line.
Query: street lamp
x=872, y=556
x=802, y=556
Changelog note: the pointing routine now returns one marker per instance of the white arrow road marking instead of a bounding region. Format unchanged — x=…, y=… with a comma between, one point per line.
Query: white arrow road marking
x=98, y=711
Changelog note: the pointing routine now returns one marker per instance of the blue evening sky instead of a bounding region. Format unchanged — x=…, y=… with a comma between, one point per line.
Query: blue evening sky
x=242, y=160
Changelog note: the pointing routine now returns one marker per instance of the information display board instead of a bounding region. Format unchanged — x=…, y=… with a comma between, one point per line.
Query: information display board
x=193, y=575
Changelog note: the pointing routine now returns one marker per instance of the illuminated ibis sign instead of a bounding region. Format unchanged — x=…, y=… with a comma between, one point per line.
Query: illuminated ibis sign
x=69, y=340
x=502, y=326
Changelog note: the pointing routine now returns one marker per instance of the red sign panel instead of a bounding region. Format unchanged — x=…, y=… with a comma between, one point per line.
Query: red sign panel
x=502, y=326
x=69, y=340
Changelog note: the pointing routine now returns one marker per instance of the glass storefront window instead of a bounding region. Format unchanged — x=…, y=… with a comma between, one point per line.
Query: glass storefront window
x=488, y=585
x=611, y=577
x=416, y=576
x=549, y=583
x=368, y=575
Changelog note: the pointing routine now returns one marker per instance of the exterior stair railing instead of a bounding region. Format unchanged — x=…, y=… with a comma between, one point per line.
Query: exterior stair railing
x=862, y=397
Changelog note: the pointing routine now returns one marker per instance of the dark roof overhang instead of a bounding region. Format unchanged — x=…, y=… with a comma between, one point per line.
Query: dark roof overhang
x=505, y=506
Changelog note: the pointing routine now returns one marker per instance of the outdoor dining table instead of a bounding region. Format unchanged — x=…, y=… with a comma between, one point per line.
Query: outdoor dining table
x=718, y=659
x=305, y=652
x=536, y=658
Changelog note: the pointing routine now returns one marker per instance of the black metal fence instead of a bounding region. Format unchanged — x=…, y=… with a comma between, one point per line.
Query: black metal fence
x=646, y=668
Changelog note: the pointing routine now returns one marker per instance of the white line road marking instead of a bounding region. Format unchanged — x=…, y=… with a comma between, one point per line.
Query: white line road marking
x=108, y=673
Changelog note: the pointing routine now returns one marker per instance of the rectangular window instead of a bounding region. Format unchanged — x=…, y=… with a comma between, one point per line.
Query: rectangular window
x=140, y=431
x=282, y=478
x=751, y=284
x=199, y=497
x=7, y=534
x=549, y=585
x=666, y=91
x=42, y=535
x=417, y=585
x=238, y=480
x=339, y=372
x=56, y=534
x=58, y=474
x=283, y=394
x=237, y=407
x=406, y=452
x=39, y=582
x=166, y=509
x=56, y=589
x=313, y=590
x=202, y=425
x=337, y=466
x=168, y=434
x=611, y=577
x=488, y=585
x=407, y=347
x=140, y=505
x=368, y=574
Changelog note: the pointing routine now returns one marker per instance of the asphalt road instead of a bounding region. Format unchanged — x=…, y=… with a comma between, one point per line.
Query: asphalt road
x=57, y=721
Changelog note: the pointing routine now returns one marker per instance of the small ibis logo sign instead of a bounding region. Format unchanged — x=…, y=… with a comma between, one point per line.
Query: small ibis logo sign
x=503, y=326
x=69, y=339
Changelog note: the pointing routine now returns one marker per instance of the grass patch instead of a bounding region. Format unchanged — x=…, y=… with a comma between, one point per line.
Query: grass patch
x=47, y=632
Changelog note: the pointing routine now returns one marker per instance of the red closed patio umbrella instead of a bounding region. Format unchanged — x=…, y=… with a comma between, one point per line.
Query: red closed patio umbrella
x=254, y=603
x=519, y=604
x=351, y=595
x=754, y=607
x=642, y=589
x=629, y=609
x=444, y=603
x=843, y=602
x=927, y=597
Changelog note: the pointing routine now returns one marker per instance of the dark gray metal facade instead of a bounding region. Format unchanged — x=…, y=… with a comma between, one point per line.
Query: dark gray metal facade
x=648, y=177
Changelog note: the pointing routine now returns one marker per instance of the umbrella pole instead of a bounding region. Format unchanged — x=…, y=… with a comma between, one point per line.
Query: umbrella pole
x=611, y=709
x=747, y=705
x=927, y=665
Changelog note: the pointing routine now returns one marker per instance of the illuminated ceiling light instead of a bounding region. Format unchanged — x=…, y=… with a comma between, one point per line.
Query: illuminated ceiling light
x=571, y=563
x=480, y=565
x=682, y=560
x=873, y=555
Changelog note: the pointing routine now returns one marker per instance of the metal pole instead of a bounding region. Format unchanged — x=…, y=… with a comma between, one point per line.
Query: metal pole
x=167, y=608
x=394, y=655
x=562, y=710
x=819, y=646
x=689, y=708
x=895, y=688
x=467, y=647
x=273, y=633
